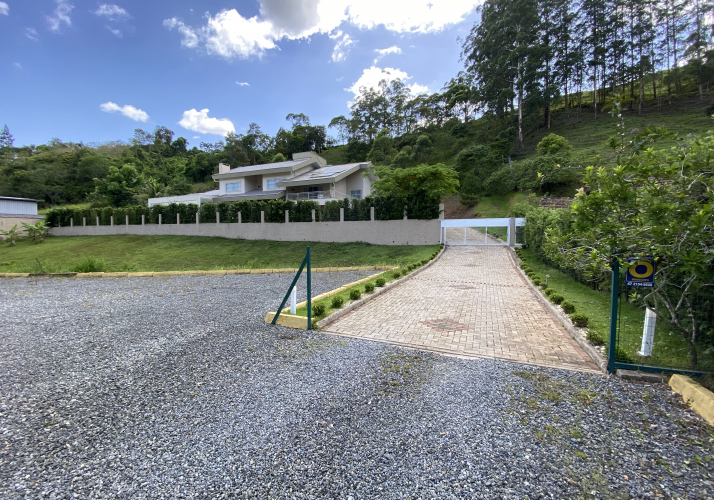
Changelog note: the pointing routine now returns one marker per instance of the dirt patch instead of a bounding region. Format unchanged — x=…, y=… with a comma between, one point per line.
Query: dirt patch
x=453, y=209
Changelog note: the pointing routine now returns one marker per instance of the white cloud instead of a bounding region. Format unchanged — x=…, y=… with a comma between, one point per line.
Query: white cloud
x=4, y=9
x=243, y=84
x=112, y=12
x=199, y=121
x=372, y=76
x=342, y=46
x=61, y=15
x=385, y=52
x=115, y=32
x=196, y=136
x=127, y=110
x=17, y=65
x=229, y=34
x=31, y=33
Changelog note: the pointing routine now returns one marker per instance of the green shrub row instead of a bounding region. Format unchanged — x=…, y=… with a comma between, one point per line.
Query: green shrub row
x=385, y=208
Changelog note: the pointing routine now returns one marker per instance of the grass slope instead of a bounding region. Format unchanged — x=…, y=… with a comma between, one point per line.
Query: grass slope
x=181, y=253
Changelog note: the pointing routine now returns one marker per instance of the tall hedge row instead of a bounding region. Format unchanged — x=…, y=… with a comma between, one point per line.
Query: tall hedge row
x=385, y=208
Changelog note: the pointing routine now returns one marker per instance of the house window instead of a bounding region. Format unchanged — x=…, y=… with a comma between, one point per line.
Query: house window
x=272, y=183
x=356, y=194
x=311, y=189
x=232, y=187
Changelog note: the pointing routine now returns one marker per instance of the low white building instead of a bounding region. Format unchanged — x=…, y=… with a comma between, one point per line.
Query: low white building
x=306, y=177
x=15, y=211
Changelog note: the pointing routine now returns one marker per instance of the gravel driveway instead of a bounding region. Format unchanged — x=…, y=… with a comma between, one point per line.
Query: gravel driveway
x=175, y=388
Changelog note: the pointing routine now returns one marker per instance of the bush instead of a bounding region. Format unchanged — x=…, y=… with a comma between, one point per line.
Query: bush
x=548, y=291
x=623, y=356
x=337, y=302
x=369, y=287
x=318, y=310
x=595, y=338
x=90, y=265
x=396, y=275
x=556, y=298
x=424, y=262
x=523, y=265
x=536, y=281
x=355, y=294
x=568, y=307
x=579, y=320
x=380, y=282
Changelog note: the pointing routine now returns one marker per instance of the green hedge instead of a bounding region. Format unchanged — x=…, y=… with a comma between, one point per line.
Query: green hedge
x=385, y=208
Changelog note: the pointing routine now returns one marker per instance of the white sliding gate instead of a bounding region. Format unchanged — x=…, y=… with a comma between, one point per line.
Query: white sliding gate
x=480, y=231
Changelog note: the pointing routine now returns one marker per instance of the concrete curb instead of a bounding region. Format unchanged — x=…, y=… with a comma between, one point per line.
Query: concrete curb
x=597, y=358
x=377, y=292
x=701, y=400
x=220, y=272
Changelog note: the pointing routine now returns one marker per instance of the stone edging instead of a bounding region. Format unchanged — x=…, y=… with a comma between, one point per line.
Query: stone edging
x=598, y=358
x=377, y=292
x=700, y=399
x=159, y=274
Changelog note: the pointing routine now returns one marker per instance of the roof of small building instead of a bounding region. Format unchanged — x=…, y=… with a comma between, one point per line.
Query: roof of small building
x=326, y=172
x=17, y=199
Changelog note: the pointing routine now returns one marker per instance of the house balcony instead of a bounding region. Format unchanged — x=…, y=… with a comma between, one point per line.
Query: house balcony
x=319, y=196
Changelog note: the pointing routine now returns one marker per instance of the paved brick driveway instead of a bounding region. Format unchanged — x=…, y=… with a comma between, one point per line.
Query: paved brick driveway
x=472, y=302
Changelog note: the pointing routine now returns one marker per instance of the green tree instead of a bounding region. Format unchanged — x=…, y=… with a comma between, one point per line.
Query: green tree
x=6, y=139
x=382, y=150
x=434, y=180
x=422, y=149
x=120, y=186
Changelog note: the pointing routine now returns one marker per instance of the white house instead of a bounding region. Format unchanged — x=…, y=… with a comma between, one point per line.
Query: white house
x=306, y=177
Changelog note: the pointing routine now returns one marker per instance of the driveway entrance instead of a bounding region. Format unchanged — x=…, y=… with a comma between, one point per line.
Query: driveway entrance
x=472, y=302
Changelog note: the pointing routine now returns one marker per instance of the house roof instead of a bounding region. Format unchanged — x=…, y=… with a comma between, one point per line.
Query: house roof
x=329, y=173
x=10, y=198
x=282, y=166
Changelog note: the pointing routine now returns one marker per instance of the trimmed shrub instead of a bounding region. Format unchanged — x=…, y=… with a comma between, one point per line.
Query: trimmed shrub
x=424, y=262
x=579, y=320
x=90, y=265
x=355, y=294
x=543, y=286
x=337, y=302
x=397, y=275
x=369, y=287
x=548, y=291
x=318, y=309
x=536, y=281
x=523, y=265
x=568, y=307
x=380, y=282
x=595, y=338
x=556, y=298
x=623, y=356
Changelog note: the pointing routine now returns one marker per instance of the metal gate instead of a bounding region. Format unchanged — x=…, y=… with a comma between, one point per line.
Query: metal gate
x=480, y=231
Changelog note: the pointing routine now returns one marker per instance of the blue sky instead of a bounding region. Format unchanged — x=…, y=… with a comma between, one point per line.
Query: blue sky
x=93, y=71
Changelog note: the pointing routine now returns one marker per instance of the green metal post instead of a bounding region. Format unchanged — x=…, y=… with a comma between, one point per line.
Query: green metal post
x=613, y=314
x=309, y=292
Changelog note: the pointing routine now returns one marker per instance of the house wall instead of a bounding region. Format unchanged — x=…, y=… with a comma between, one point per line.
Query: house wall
x=18, y=207
x=387, y=232
x=355, y=181
x=341, y=186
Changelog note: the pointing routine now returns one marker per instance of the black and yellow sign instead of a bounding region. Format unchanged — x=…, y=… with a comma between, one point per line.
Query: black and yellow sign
x=641, y=273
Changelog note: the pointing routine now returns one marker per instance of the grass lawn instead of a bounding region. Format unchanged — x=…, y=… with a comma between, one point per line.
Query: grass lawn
x=494, y=207
x=185, y=253
x=670, y=349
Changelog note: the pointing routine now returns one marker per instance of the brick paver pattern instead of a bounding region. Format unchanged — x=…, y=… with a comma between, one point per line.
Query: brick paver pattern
x=471, y=302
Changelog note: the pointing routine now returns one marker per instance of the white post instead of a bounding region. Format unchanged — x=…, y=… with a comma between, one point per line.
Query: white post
x=97, y=220
x=240, y=218
x=486, y=233
x=127, y=220
x=84, y=221
x=262, y=217
x=198, y=216
x=371, y=214
x=342, y=214
x=142, y=219
x=218, y=217
x=287, y=216
x=178, y=219
x=293, y=300
x=71, y=222
x=313, y=215
x=648, y=333
x=405, y=212
x=111, y=220
x=159, y=219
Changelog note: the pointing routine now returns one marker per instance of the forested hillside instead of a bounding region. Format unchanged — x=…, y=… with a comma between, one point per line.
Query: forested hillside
x=531, y=68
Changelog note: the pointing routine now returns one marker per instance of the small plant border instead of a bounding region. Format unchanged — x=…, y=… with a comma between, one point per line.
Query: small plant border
x=574, y=332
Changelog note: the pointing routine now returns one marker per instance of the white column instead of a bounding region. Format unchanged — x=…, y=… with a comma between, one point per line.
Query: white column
x=127, y=220
x=240, y=218
x=648, y=333
x=287, y=216
x=342, y=214
x=262, y=217
x=71, y=222
x=371, y=213
x=293, y=300
x=159, y=219
x=442, y=213
x=218, y=217
x=111, y=220
x=97, y=220
x=142, y=219
x=84, y=221
x=313, y=215
x=198, y=216
x=178, y=219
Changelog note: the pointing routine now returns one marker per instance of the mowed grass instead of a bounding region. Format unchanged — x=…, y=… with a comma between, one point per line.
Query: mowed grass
x=670, y=349
x=185, y=253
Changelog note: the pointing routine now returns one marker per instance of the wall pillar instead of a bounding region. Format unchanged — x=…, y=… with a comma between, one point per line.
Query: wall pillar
x=262, y=217
x=442, y=212
x=142, y=219
x=512, y=232
x=178, y=219
x=198, y=217
x=111, y=220
x=218, y=217
x=84, y=221
x=127, y=220
x=159, y=219
x=71, y=222
x=313, y=215
x=342, y=214
x=287, y=216
x=97, y=220
x=405, y=212
x=371, y=214
x=240, y=217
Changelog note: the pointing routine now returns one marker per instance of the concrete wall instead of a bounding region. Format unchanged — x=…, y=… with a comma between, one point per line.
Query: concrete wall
x=9, y=220
x=391, y=232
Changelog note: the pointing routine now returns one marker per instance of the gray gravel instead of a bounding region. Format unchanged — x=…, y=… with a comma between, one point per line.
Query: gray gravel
x=175, y=388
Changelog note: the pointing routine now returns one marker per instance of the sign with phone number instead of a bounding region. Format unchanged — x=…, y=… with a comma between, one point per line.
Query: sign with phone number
x=641, y=273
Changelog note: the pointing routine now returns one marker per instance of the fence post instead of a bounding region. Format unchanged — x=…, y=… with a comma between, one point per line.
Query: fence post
x=405, y=212
x=287, y=216
x=97, y=221
x=127, y=220
x=614, y=296
x=71, y=222
x=142, y=219
x=218, y=217
x=309, y=293
x=178, y=219
x=371, y=214
x=262, y=217
x=197, y=217
x=84, y=221
x=342, y=214
x=159, y=219
x=512, y=232
x=111, y=220
x=240, y=217
x=313, y=215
